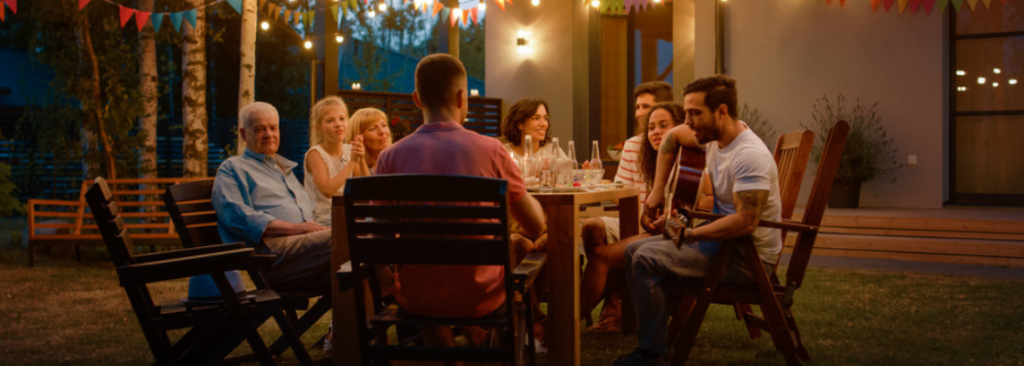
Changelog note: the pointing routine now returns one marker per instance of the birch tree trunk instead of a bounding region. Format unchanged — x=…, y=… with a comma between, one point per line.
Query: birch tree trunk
x=194, y=118
x=94, y=107
x=148, y=87
x=247, y=54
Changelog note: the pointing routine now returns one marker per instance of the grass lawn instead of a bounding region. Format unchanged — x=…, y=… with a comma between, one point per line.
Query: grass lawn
x=65, y=313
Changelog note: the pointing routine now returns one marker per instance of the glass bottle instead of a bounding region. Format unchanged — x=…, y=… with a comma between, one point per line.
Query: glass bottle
x=596, y=168
x=528, y=166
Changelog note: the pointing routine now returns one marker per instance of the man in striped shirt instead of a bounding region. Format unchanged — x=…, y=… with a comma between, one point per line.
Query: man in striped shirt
x=599, y=231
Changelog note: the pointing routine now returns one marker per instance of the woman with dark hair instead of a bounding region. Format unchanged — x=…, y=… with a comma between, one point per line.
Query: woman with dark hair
x=605, y=263
x=528, y=117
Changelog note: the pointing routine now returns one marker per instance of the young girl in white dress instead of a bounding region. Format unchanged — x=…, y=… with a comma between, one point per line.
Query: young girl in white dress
x=330, y=161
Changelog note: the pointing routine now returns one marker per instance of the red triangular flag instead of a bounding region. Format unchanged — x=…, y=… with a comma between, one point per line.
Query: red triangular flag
x=473, y=13
x=126, y=13
x=13, y=4
x=453, y=16
x=914, y=4
x=842, y=2
x=82, y=4
x=928, y=5
x=888, y=4
x=501, y=4
x=141, y=17
x=874, y=4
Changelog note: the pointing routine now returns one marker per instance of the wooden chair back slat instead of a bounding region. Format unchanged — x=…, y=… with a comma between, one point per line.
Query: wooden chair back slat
x=111, y=226
x=436, y=188
x=394, y=212
x=431, y=251
x=432, y=227
x=792, y=152
x=828, y=165
x=191, y=211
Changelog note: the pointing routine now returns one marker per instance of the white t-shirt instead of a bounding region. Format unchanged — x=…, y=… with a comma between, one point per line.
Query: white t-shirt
x=322, y=210
x=746, y=165
x=629, y=165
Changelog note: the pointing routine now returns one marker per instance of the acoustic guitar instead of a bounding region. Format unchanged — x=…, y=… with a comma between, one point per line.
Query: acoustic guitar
x=684, y=185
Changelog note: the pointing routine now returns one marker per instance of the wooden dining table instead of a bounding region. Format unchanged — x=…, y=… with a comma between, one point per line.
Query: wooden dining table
x=563, y=271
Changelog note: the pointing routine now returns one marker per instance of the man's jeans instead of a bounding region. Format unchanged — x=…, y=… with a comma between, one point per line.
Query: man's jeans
x=650, y=261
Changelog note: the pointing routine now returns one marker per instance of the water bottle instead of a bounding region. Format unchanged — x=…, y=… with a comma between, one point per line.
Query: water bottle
x=528, y=167
x=596, y=168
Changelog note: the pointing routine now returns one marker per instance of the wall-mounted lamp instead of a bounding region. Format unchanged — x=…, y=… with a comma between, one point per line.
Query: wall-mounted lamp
x=357, y=86
x=474, y=93
x=523, y=46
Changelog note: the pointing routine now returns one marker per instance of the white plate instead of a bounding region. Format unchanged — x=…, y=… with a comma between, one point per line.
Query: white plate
x=558, y=189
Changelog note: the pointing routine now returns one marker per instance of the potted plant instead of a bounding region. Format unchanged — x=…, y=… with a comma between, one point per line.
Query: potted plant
x=869, y=151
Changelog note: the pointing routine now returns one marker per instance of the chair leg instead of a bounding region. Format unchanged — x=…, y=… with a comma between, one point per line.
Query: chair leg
x=288, y=334
x=531, y=347
x=303, y=324
x=778, y=327
x=684, y=344
x=683, y=310
x=801, y=351
x=741, y=309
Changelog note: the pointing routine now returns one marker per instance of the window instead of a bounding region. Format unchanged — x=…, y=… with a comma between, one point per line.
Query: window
x=987, y=102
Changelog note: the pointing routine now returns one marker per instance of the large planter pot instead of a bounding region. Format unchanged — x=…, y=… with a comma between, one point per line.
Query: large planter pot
x=844, y=195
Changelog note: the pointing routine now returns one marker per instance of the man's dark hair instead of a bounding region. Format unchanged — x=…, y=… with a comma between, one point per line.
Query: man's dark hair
x=718, y=89
x=661, y=90
x=437, y=77
x=518, y=114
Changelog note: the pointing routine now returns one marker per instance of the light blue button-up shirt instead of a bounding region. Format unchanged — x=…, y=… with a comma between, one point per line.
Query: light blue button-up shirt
x=252, y=190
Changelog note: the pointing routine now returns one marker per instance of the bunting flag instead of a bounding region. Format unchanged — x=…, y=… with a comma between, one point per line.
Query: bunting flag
x=888, y=4
x=629, y=5
x=501, y=4
x=82, y=4
x=176, y=21
x=157, y=19
x=125, y=13
x=237, y=5
x=190, y=17
x=2, y=14
x=842, y=2
x=141, y=17
x=13, y=4
x=902, y=5
x=987, y=3
x=259, y=4
x=941, y=5
x=473, y=14
x=957, y=4
x=438, y=7
x=287, y=15
x=972, y=3
x=914, y=5
x=465, y=18
x=275, y=12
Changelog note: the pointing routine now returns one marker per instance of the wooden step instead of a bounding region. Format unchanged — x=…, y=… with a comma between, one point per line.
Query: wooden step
x=967, y=251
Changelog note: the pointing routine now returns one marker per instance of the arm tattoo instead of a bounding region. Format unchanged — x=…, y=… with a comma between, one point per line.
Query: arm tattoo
x=751, y=202
x=669, y=145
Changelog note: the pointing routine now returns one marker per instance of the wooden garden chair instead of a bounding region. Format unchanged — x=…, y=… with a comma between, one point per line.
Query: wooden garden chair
x=215, y=329
x=443, y=220
x=775, y=300
x=194, y=218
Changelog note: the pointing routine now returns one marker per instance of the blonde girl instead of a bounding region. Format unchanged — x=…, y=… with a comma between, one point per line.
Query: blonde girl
x=330, y=161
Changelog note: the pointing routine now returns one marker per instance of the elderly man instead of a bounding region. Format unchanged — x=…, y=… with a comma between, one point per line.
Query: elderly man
x=260, y=202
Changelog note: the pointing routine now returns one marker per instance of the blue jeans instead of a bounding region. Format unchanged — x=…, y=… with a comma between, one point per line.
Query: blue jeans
x=650, y=261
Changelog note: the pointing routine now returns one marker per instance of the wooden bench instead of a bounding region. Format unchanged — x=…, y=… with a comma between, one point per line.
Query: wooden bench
x=71, y=222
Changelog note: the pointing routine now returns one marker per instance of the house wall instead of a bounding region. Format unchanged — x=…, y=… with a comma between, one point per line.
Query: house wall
x=786, y=54
x=549, y=73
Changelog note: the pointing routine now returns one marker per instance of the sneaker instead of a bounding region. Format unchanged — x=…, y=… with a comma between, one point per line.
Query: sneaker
x=636, y=359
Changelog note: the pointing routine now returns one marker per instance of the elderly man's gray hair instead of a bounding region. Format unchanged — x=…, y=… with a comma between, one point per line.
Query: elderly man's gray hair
x=258, y=108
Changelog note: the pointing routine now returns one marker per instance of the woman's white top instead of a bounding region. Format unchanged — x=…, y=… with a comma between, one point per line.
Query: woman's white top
x=546, y=150
x=322, y=212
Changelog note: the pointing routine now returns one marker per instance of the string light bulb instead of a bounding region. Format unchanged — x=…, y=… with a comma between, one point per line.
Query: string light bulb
x=535, y=2
x=996, y=71
x=595, y=3
x=383, y=7
x=482, y=6
x=308, y=44
x=339, y=38
x=657, y=1
x=961, y=72
x=981, y=80
x=264, y=25
x=1012, y=81
x=995, y=85
x=371, y=13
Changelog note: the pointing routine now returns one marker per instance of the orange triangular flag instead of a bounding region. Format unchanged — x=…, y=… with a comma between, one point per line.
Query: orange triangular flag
x=474, y=14
x=126, y=13
x=465, y=18
x=259, y=4
x=509, y=2
x=437, y=7
x=842, y=2
x=275, y=12
x=874, y=4
x=141, y=17
x=287, y=15
x=986, y=2
x=972, y=3
x=902, y=5
x=501, y=4
x=2, y=13
x=82, y=4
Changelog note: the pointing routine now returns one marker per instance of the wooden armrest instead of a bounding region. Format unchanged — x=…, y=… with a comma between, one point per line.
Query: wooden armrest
x=785, y=224
x=345, y=274
x=188, y=252
x=528, y=269
x=230, y=260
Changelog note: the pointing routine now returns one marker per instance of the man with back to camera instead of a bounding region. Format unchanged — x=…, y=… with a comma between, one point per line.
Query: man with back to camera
x=746, y=187
x=454, y=291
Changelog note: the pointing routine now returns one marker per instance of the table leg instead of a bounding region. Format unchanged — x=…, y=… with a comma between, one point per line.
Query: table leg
x=629, y=225
x=563, y=333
